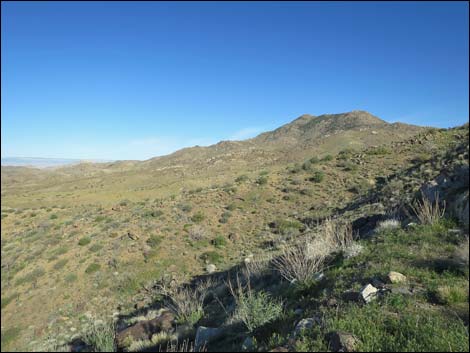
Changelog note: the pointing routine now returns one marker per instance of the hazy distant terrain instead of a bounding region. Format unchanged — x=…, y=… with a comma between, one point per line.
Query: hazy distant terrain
x=42, y=162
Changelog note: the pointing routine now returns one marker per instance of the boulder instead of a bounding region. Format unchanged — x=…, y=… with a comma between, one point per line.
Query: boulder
x=396, y=277
x=340, y=341
x=210, y=268
x=368, y=293
x=205, y=335
x=144, y=330
x=248, y=345
x=305, y=324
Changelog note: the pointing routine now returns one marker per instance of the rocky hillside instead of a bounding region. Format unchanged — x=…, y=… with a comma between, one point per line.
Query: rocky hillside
x=197, y=246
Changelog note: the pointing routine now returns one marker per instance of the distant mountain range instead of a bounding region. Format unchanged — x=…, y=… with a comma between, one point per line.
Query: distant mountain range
x=38, y=162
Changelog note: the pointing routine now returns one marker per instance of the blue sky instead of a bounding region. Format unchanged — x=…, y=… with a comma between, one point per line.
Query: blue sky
x=133, y=80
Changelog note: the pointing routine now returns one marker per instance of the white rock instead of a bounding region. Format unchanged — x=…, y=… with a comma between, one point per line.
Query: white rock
x=368, y=293
x=211, y=268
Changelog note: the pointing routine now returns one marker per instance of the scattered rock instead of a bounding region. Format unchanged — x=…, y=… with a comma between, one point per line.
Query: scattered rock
x=144, y=330
x=340, y=341
x=132, y=236
x=368, y=293
x=205, y=335
x=306, y=324
x=248, y=344
x=279, y=349
x=210, y=268
x=396, y=277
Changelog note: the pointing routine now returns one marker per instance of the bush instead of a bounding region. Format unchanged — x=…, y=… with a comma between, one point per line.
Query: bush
x=186, y=303
x=31, y=277
x=225, y=216
x=219, y=241
x=307, y=165
x=197, y=233
x=283, y=226
x=262, y=180
x=92, y=268
x=317, y=177
x=84, y=241
x=101, y=337
x=96, y=247
x=185, y=207
x=241, y=179
x=296, y=168
x=212, y=257
x=61, y=263
x=198, y=217
x=314, y=160
x=154, y=241
x=254, y=309
x=327, y=158
x=53, y=216
x=428, y=212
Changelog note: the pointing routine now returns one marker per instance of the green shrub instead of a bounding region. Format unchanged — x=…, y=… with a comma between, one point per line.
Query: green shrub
x=262, y=180
x=283, y=226
x=307, y=165
x=254, y=309
x=101, y=337
x=71, y=277
x=185, y=207
x=60, y=264
x=154, y=241
x=92, y=268
x=296, y=168
x=84, y=241
x=225, y=216
x=212, y=257
x=219, y=241
x=231, y=207
x=53, y=216
x=31, y=276
x=198, y=217
x=96, y=247
x=241, y=179
x=327, y=158
x=317, y=177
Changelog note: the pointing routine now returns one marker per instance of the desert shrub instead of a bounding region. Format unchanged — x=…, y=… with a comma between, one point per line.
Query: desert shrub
x=345, y=154
x=307, y=165
x=262, y=180
x=253, y=309
x=92, y=268
x=231, y=207
x=381, y=150
x=186, y=207
x=314, y=160
x=84, y=241
x=197, y=233
x=428, y=212
x=60, y=264
x=7, y=300
x=241, y=178
x=71, y=277
x=387, y=225
x=212, y=257
x=53, y=216
x=225, y=216
x=264, y=172
x=96, y=247
x=154, y=241
x=186, y=302
x=124, y=203
x=219, y=241
x=198, y=217
x=298, y=263
x=154, y=213
x=283, y=226
x=317, y=177
x=101, y=337
x=348, y=166
x=296, y=168
x=31, y=276
x=327, y=158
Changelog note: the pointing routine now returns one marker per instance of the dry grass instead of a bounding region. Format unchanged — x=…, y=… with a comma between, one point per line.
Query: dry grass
x=428, y=212
x=197, y=233
x=388, y=224
x=299, y=262
x=187, y=302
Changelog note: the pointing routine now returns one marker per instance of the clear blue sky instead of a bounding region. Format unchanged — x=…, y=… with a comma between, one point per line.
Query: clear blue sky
x=132, y=80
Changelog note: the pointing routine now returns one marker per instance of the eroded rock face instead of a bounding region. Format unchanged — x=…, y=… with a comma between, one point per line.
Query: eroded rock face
x=144, y=330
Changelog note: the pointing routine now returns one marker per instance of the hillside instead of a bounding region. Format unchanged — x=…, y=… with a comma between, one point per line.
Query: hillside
x=89, y=244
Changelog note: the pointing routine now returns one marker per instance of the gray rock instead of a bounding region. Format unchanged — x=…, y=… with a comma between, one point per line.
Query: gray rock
x=210, y=268
x=368, y=293
x=396, y=277
x=205, y=335
x=340, y=341
x=248, y=345
x=305, y=324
